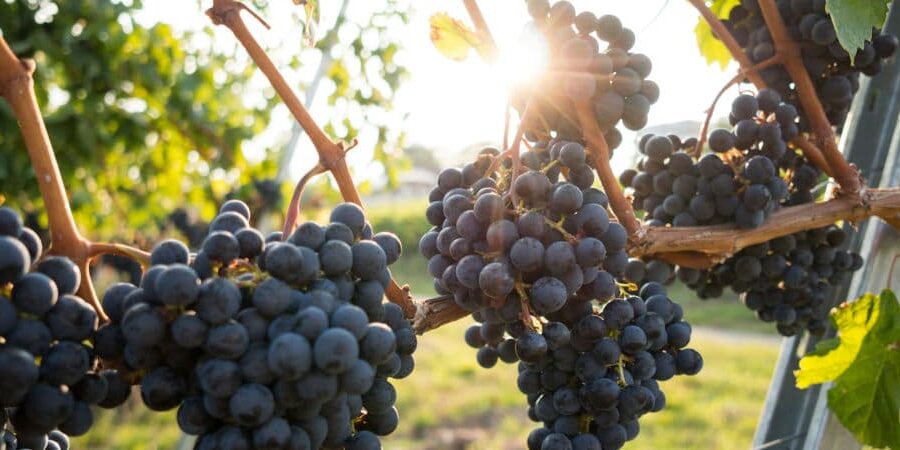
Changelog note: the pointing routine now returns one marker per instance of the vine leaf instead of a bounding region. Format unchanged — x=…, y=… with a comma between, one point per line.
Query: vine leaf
x=452, y=37
x=710, y=46
x=864, y=363
x=854, y=19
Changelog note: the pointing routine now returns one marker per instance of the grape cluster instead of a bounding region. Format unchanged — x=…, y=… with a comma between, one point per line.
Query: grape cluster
x=540, y=248
x=614, y=80
x=596, y=377
x=49, y=378
x=738, y=183
x=830, y=66
x=789, y=280
x=590, y=376
x=267, y=343
x=556, y=243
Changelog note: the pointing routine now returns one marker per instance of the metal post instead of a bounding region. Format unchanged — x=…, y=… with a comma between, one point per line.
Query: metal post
x=794, y=419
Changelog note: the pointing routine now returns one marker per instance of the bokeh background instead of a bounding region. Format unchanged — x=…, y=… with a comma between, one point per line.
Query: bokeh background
x=157, y=117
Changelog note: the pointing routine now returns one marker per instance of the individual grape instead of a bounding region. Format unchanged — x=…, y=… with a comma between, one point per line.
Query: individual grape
x=62, y=271
x=169, y=251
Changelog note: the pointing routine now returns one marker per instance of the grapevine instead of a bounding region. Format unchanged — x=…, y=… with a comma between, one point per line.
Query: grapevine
x=284, y=342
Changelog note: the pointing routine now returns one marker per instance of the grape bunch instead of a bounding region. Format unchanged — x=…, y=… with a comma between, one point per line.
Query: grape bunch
x=49, y=378
x=588, y=382
x=789, y=280
x=530, y=257
x=614, y=80
x=831, y=68
x=591, y=375
x=739, y=183
x=557, y=243
x=267, y=343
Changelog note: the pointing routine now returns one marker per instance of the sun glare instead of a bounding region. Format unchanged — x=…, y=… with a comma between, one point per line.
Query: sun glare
x=524, y=61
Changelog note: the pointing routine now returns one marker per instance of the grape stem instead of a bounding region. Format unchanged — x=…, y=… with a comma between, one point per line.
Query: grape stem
x=812, y=153
x=741, y=75
x=846, y=175
x=525, y=314
x=569, y=237
x=331, y=154
x=620, y=366
x=293, y=211
x=436, y=312
x=600, y=153
x=106, y=248
x=488, y=49
x=17, y=88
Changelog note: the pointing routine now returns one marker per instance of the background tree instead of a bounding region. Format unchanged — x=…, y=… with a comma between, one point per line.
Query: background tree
x=150, y=118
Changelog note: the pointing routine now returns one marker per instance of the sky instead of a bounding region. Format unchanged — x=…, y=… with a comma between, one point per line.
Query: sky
x=448, y=106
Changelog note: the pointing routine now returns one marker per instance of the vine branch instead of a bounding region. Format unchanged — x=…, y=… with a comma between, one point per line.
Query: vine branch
x=17, y=88
x=722, y=241
x=331, y=154
x=489, y=48
x=785, y=46
x=600, y=152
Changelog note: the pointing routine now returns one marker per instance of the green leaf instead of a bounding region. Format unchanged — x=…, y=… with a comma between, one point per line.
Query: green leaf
x=452, y=37
x=710, y=46
x=854, y=19
x=832, y=357
x=865, y=367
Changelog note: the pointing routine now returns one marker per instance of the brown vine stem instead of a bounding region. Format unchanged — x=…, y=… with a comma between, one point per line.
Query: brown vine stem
x=724, y=240
x=331, y=154
x=489, y=49
x=436, y=312
x=293, y=211
x=106, y=248
x=17, y=87
x=812, y=153
x=785, y=46
x=742, y=74
x=600, y=153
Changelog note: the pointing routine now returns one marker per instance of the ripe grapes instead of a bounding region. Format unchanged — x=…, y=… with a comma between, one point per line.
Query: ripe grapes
x=264, y=342
x=831, y=68
x=789, y=280
x=738, y=183
x=613, y=79
x=49, y=377
x=536, y=260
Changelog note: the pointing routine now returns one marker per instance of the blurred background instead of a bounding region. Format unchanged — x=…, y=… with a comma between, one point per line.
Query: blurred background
x=157, y=117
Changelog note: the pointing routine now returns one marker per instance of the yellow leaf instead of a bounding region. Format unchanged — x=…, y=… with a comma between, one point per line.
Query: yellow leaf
x=710, y=46
x=452, y=37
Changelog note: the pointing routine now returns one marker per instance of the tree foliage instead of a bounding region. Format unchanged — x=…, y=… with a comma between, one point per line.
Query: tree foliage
x=146, y=118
